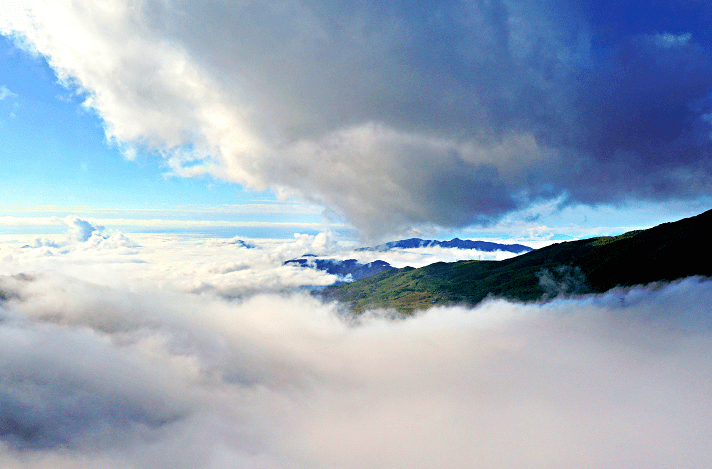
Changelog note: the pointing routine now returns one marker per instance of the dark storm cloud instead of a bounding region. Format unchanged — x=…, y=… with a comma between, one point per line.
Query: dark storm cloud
x=398, y=114
x=647, y=115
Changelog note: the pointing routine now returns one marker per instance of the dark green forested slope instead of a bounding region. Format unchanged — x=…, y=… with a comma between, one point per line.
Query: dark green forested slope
x=665, y=252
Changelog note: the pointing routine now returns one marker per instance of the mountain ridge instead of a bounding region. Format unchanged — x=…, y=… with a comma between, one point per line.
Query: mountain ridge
x=456, y=243
x=349, y=270
x=593, y=265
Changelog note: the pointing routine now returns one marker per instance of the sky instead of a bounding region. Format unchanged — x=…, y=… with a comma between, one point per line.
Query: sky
x=472, y=119
x=160, y=160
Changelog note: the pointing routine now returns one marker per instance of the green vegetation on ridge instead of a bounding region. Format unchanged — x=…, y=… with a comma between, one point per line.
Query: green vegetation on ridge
x=663, y=253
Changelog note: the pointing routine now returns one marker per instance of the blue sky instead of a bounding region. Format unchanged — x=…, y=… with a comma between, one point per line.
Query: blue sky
x=55, y=160
x=506, y=120
x=55, y=153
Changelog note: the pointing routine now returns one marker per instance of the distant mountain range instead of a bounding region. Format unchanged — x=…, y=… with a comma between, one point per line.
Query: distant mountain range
x=350, y=269
x=453, y=243
x=241, y=243
x=663, y=253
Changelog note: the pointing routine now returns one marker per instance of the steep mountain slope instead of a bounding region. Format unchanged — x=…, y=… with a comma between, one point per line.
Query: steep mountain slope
x=665, y=252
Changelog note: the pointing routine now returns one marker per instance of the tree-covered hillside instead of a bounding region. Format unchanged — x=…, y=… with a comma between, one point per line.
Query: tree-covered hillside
x=663, y=253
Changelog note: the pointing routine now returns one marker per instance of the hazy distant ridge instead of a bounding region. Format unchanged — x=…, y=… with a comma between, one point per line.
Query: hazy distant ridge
x=348, y=270
x=453, y=243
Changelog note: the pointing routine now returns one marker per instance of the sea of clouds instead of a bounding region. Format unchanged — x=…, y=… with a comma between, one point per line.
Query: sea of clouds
x=227, y=267
x=172, y=353
x=164, y=351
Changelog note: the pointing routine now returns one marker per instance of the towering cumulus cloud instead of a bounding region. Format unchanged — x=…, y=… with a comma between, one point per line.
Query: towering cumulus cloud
x=397, y=113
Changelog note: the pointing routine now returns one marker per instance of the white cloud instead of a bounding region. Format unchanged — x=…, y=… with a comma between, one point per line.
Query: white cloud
x=419, y=257
x=103, y=377
x=5, y=93
x=284, y=217
x=448, y=114
x=188, y=352
x=79, y=230
x=228, y=267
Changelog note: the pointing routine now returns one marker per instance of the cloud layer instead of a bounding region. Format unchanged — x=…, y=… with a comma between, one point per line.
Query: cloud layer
x=101, y=377
x=227, y=267
x=168, y=352
x=391, y=114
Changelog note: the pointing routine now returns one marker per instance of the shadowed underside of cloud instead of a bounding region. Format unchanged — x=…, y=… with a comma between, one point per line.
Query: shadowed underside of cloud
x=100, y=377
x=395, y=114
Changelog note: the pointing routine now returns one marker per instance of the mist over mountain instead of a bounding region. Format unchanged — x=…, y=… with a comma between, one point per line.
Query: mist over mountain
x=347, y=270
x=572, y=268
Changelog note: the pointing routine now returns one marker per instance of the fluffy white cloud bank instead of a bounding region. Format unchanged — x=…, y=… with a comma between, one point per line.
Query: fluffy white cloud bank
x=181, y=353
x=391, y=114
x=93, y=376
x=226, y=267
x=419, y=257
